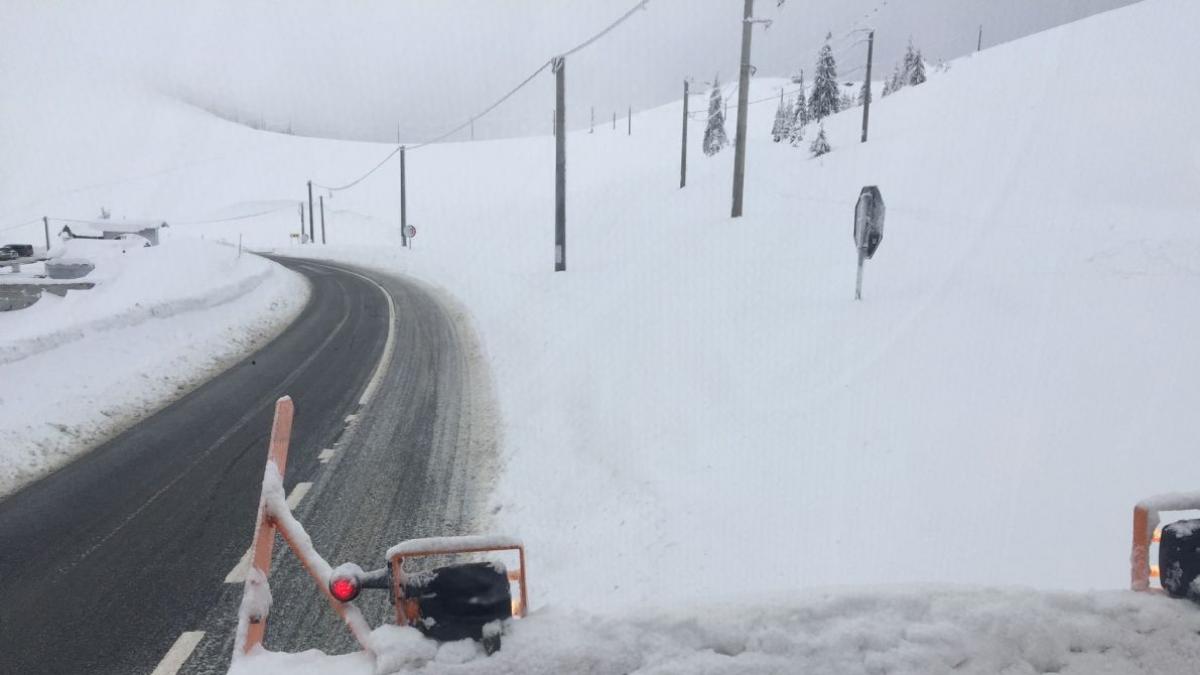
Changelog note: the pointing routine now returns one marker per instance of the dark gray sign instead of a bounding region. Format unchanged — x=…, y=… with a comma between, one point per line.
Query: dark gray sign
x=868, y=221
x=868, y=229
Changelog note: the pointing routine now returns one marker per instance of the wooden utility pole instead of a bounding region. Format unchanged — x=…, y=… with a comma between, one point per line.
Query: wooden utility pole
x=592, y=129
x=614, y=120
x=321, y=199
x=683, y=146
x=302, y=235
x=629, y=118
x=739, y=153
x=46, y=225
x=560, y=165
x=311, y=231
x=403, y=200
x=472, y=128
x=867, y=85
x=979, y=44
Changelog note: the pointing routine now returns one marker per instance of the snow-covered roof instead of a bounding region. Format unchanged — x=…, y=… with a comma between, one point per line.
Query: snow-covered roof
x=124, y=225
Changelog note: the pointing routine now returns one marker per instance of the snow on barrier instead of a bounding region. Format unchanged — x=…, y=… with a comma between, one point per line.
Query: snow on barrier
x=1146, y=533
x=274, y=514
x=340, y=586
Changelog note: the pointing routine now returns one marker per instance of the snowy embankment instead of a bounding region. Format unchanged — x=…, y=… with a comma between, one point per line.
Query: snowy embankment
x=159, y=321
x=925, y=631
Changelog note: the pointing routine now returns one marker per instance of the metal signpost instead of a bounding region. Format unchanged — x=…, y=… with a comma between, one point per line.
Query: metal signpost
x=868, y=229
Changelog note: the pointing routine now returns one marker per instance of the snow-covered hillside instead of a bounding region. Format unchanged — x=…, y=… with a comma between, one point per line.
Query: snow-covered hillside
x=697, y=410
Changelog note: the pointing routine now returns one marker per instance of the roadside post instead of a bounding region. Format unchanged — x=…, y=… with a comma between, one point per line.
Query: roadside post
x=410, y=231
x=868, y=229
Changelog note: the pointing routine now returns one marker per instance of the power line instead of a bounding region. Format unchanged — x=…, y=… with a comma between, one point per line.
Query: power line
x=232, y=218
x=640, y=5
x=20, y=225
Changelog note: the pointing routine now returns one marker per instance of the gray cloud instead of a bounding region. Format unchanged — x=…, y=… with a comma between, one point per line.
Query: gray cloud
x=359, y=69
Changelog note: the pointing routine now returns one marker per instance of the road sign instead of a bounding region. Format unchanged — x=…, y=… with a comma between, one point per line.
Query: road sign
x=410, y=231
x=868, y=221
x=868, y=229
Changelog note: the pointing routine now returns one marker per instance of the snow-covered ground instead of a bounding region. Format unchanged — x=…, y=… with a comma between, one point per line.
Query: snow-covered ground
x=698, y=412
x=159, y=321
x=911, y=631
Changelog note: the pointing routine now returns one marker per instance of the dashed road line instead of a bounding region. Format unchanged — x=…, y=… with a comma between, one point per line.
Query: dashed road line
x=179, y=653
x=238, y=574
x=326, y=455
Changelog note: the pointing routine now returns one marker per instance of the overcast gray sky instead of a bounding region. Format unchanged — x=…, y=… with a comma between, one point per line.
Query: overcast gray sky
x=356, y=69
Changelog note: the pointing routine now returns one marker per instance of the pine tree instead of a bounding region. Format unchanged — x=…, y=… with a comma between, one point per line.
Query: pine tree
x=799, y=120
x=914, y=66
x=917, y=74
x=887, y=87
x=896, y=81
x=820, y=144
x=789, y=113
x=801, y=116
x=824, y=100
x=714, y=134
x=778, y=130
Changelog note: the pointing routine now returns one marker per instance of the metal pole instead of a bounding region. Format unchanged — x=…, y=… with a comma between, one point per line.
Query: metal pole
x=592, y=129
x=979, y=44
x=560, y=166
x=614, y=120
x=321, y=200
x=472, y=128
x=867, y=84
x=629, y=118
x=311, y=231
x=301, y=222
x=739, y=155
x=403, y=199
x=858, y=283
x=46, y=225
x=683, y=146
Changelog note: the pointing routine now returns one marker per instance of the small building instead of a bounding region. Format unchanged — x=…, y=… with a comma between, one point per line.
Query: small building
x=114, y=229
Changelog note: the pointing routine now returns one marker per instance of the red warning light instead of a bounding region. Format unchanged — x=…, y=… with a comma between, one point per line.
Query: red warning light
x=343, y=589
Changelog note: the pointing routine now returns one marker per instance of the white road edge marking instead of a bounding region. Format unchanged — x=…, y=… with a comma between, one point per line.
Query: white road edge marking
x=388, y=346
x=179, y=653
x=326, y=455
x=238, y=574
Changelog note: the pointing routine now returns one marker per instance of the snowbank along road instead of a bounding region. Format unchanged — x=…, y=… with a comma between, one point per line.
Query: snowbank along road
x=125, y=550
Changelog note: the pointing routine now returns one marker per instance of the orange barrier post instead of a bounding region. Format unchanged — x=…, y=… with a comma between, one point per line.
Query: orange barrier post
x=264, y=530
x=1145, y=532
x=1139, y=558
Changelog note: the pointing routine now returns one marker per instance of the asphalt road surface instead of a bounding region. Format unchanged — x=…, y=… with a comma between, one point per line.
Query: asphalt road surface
x=126, y=560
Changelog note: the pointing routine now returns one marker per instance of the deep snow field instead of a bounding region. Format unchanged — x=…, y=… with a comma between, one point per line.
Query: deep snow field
x=704, y=435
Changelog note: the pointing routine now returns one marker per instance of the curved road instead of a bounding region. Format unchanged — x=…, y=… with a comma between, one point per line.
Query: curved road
x=105, y=564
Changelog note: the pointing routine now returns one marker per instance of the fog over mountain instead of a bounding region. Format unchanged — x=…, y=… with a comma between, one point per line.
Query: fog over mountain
x=361, y=70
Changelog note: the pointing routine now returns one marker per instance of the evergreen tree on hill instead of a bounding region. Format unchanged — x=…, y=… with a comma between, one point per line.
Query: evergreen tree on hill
x=779, y=129
x=714, y=134
x=820, y=144
x=824, y=100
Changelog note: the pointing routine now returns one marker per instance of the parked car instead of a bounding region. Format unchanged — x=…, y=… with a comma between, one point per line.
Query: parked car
x=8, y=253
x=22, y=250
